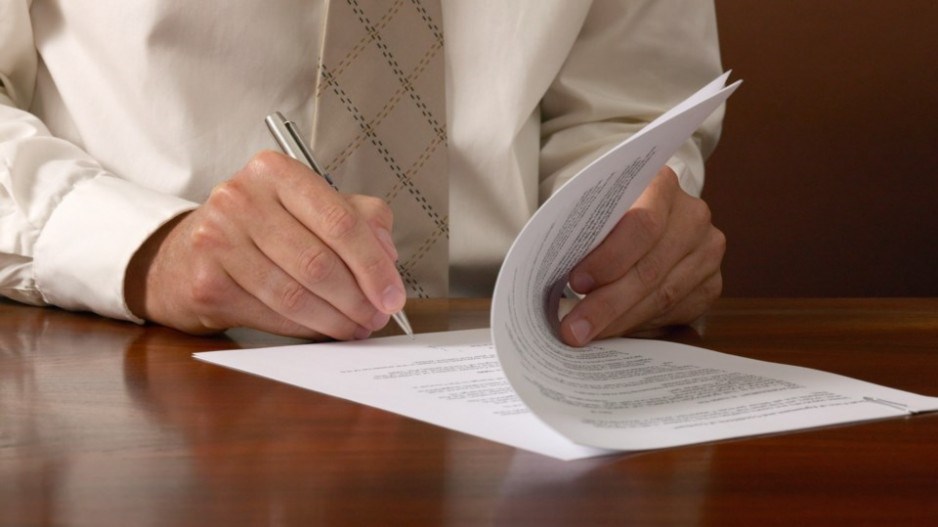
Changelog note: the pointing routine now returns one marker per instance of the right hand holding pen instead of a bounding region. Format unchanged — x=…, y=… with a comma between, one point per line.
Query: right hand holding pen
x=275, y=249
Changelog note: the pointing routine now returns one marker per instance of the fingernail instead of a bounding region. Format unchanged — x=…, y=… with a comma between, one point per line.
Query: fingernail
x=379, y=320
x=388, y=243
x=582, y=282
x=393, y=299
x=581, y=330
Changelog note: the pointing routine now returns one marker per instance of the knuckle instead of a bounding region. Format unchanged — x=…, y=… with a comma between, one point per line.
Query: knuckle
x=316, y=265
x=715, y=247
x=700, y=212
x=374, y=209
x=697, y=303
x=648, y=270
x=666, y=297
x=206, y=291
x=263, y=163
x=206, y=236
x=374, y=266
x=382, y=213
x=382, y=210
x=340, y=221
x=719, y=241
x=371, y=204
x=229, y=197
x=292, y=297
x=668, y=176
x=669, y=184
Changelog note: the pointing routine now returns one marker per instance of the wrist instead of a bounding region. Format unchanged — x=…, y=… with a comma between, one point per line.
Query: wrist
x=138, y=280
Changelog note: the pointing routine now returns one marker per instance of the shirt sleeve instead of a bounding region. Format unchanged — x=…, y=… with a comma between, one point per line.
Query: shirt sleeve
x=68, y=227
x=632, y=61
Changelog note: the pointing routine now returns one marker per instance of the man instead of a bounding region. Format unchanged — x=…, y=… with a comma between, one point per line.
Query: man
x=129, y=186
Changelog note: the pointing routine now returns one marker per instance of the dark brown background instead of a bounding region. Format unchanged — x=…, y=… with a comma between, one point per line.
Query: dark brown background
x=826, y=177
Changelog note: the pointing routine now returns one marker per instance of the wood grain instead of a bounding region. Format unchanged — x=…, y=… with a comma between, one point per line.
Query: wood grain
x=107, y=423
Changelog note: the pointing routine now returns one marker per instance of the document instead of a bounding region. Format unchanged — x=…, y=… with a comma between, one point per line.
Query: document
x=450, y=379
x=518, y=384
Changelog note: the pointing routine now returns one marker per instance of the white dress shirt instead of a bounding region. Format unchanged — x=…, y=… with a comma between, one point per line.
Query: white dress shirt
x=117, y=116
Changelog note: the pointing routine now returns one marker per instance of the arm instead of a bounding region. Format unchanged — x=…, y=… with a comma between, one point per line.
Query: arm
x=79, y=236
x=633, y=61
x=68, y=226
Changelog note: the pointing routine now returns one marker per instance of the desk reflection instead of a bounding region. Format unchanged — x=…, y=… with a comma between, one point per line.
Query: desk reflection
x=106, y=422
x=278, y=454
x=62, y=413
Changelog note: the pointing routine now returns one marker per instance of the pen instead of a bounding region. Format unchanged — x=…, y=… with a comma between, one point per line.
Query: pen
x=290, y=142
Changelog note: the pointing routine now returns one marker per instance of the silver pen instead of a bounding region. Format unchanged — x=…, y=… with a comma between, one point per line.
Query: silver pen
x=291, y=143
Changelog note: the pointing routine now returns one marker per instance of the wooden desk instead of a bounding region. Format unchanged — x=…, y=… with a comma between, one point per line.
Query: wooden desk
x=106, y=423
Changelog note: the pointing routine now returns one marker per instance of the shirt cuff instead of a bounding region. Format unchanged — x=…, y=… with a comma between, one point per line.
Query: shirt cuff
x=82, y=254
x=689, y=169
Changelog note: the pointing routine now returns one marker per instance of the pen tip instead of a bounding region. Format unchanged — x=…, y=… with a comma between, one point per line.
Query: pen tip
x=403, y=323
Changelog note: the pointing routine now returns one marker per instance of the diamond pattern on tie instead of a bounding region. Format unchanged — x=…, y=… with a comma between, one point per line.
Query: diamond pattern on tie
x=380, y=125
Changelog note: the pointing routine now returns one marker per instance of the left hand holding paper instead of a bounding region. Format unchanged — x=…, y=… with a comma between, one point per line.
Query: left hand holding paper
x=659, y=266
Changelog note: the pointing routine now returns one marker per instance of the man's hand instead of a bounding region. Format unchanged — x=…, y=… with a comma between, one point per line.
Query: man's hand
x=659, y=266
x=274, y=248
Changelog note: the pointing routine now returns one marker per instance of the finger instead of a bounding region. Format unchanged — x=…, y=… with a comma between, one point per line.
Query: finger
x=691, y=307
x=602, y=306
x=238, y=215
x=625, y=305
x=211, y=301
x=337, y=223
x=238, y=308
x=379, y=217
x=639, y=230
x=288, y=299
x=312, y=265
x=682, y=297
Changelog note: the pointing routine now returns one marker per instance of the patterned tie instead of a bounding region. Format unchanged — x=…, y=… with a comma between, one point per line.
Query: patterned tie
x=380, y=124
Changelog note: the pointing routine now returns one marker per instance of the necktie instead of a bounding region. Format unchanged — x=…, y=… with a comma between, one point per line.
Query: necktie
x=379, y=125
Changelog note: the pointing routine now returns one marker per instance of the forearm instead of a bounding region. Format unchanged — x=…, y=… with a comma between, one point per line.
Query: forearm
x=69, y=226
